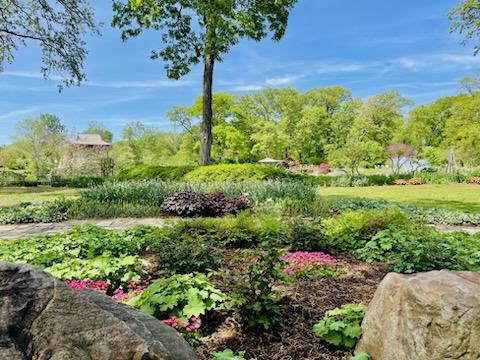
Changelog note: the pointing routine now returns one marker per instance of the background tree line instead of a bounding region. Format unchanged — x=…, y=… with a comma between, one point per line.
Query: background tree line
x=321, y=125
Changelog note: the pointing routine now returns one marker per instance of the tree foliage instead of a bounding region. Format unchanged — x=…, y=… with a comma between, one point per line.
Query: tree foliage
x=57, y=26
x=42, y=141
x=465, y=20
x=194, y=31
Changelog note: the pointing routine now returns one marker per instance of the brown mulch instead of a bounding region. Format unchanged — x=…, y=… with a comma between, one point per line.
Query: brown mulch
x=302, y=305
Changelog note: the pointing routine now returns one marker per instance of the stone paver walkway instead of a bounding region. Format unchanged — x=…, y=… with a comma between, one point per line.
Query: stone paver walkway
x=27, y=230
x=450, y=228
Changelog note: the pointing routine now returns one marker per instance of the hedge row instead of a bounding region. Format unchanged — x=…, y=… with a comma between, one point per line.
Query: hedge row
x=255, y=172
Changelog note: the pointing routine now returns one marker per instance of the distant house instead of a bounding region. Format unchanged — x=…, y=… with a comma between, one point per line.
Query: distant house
x=87, y=156
x=90, y=141
x=269, y=161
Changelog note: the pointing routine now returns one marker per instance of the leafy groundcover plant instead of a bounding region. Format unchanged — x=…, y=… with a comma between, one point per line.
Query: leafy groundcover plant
x=180, y=296
x=228, y=354
x=302, y=264
x=341, y=326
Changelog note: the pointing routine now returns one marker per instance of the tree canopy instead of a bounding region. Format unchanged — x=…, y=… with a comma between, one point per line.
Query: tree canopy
x=195, y=31
x=57, y=26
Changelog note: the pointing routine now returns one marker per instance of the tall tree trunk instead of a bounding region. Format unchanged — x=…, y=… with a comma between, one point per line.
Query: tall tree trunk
x=206, y=130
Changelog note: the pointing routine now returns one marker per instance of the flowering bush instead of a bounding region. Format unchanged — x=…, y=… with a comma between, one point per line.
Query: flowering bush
x=190, y=325
x=134, y=288
x=323, y=168
x=302, y=264
x=101, y=286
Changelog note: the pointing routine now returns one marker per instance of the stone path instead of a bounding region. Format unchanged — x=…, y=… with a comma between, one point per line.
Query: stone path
x=451, y=228
x=27, y=230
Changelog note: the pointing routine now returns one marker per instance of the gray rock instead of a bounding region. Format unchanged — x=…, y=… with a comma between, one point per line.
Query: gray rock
x=425, y=316
x=41, y=318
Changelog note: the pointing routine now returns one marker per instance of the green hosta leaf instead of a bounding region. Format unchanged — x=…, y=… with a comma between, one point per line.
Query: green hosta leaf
x=349, y=342
x=353, y=331
x=320, y=328
x=194, y=307
x=337, y=325
x=341, y=326
x=333, y=337
x=361, y=356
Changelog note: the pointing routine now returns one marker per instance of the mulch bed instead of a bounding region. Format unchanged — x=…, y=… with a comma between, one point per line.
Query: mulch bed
x=302, y=305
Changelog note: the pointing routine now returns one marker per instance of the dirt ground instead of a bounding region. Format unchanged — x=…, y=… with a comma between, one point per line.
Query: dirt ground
x=303, y=304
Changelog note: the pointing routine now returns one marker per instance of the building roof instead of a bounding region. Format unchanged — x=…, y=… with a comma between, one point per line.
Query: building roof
x=270, y=161
x=90, y=140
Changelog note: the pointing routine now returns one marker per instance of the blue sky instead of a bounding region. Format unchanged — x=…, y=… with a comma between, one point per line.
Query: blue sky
x=368, y=46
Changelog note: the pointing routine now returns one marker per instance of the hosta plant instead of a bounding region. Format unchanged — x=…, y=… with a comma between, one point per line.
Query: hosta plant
x=228, y=354
x=341, y=326
x=179, y=296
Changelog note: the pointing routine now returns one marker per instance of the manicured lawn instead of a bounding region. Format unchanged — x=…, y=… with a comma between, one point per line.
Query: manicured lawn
x=14, y=195
x=450, y=196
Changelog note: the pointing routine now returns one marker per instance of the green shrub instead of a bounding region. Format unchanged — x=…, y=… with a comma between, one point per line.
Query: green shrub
x=421, y=248
x=305, y=207
x=352, y=229
x=183, y=252
x=437, y=177
x=154, y=193
x=181, y=296
x=44, y=212
x=253, y=296
x=305, y=235
x=237, y=173
x=243, y=231
x=341, y=326
x=154, y=172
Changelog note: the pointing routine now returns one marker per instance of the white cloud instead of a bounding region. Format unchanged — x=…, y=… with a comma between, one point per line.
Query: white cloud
x=140, y=84
x=31, y=75
x=283, y=80
x=247, y=88
x=118, y=84
x=16, y=113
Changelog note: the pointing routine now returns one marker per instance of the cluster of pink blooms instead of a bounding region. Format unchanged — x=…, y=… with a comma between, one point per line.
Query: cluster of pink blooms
x=302, y=261
x=324, y=168
x=120, y=295
x=134, y=288
x=99, y=285
x=191, y=325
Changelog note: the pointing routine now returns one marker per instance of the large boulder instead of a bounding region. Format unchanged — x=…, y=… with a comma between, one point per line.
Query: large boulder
x=425, y=316
x=41, y=318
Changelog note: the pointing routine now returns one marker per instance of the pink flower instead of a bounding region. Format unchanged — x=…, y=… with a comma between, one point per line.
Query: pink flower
x=99, y=285
x=302, y=261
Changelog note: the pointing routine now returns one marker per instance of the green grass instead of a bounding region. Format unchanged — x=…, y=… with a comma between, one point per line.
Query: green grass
x=461, y=197
x=15, y=195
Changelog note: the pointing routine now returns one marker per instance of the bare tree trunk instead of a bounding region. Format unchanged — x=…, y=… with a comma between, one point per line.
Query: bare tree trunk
x=206, y=130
